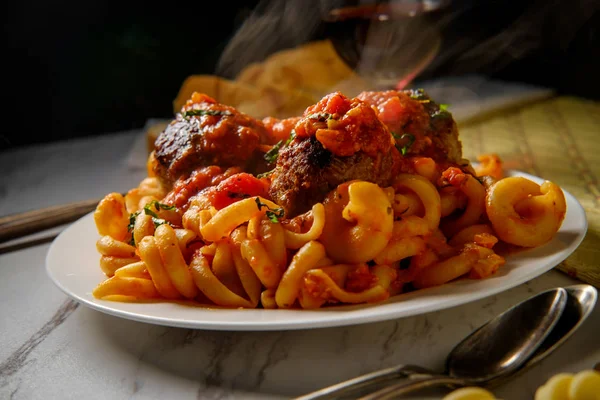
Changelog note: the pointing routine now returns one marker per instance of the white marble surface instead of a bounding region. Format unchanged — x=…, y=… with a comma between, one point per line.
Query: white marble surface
x=53, y=348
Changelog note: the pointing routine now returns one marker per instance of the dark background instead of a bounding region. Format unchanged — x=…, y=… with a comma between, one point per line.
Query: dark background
x=98, y=67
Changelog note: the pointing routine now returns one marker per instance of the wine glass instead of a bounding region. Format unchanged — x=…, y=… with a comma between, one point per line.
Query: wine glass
x=387, y=44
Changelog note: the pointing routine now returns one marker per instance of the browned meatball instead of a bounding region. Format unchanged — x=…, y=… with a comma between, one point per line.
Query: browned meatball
x=412, y=113
x=206, y=133
x=337, y=140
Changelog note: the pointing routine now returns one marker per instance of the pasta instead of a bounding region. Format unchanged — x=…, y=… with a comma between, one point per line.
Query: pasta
x=344, y=211
x=583, y=385
x=580, y=386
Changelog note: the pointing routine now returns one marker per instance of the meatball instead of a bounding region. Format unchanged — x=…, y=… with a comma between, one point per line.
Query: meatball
x=419, y=125
x=207, y=133
x=337, y=140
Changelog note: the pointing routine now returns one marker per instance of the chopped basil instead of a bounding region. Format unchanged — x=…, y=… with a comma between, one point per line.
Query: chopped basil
x=444, y=107
x=410, y=139
x=271, y=155
x=265, y=174
x=159, y=221
x=322, y=117
x=157, y=206
x=192, y=113
x=417, y=94
x=148, y=211
x=272, y=214
x=131, y=225
x=440, y=114
x=292, y=136
x=151, y=213
x=132, y=218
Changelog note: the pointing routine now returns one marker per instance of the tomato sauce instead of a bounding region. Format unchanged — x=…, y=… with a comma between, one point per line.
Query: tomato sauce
x=345, y=126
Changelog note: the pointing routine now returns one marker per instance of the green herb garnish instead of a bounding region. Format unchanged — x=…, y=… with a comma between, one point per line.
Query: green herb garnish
x=417, y=94
x=440, y=114
x=410, y=139
x=131, y=226
x=322, y=117
x=272, y=214
x=148, y=208
x=444, y=107
x=265, y=174
x=132, y=218
x=271, y=155
x=193, y=113
x=292, y=136
x=159, y=221
x=155, y=205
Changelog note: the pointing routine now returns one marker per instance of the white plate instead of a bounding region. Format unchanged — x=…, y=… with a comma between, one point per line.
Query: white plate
x=72, y=263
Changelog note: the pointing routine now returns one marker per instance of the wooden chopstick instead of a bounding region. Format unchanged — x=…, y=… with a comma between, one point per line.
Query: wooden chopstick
x=18, y=225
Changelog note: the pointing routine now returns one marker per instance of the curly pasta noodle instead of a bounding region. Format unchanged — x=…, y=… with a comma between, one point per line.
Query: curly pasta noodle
x=524, y=213
x=426, y=192
x=115, y=254
x=111, y=216
x=475, y=195
x=582, y=385
x=149, y=189
x=358, y=222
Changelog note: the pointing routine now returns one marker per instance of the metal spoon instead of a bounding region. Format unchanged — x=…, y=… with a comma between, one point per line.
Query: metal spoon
x=499, y=347
x=580, y=302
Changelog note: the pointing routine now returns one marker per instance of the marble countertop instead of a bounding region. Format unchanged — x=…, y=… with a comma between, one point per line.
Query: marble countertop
x=53, y=348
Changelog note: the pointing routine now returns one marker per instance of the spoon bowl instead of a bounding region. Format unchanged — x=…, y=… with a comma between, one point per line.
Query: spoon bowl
x=505, y=343
x=581, y=300
x=505, y=346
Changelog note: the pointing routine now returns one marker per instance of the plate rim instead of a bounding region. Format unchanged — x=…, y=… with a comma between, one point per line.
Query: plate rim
x=107, y=307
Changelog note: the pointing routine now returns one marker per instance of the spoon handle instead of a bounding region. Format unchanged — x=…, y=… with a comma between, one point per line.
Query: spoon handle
x=373, y=378
x=415, y=382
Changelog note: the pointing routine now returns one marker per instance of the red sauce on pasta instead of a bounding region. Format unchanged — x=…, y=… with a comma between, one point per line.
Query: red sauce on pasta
x=188, y=186
x=237, y=187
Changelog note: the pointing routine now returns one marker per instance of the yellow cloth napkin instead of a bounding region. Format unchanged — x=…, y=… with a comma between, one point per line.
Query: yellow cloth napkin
x=557, y=139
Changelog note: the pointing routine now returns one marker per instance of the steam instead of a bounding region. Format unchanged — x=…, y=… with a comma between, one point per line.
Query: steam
x=428, y=40
x=272, y=26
